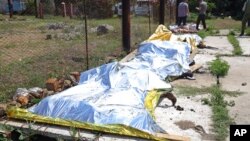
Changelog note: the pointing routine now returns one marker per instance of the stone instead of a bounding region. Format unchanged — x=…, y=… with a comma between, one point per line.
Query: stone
x=67, y=84
x=23, y=100
x=52, y=84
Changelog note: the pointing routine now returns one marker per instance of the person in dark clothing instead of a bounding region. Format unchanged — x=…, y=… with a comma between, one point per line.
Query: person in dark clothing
x=202, y=14
x=183, y=12
x=246, y=17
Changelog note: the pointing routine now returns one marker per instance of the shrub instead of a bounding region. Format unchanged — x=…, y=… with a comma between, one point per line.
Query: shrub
x=219, y=68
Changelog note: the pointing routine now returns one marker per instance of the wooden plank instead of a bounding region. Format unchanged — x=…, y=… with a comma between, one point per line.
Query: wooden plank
x=62, y=132
x=195, y=67
x=49, y=130
x=173, y=137
x=130, y=56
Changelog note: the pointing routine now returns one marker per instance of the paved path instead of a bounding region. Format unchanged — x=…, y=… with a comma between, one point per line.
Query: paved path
x=245, y=44
x=238, y=74
x=217, y=45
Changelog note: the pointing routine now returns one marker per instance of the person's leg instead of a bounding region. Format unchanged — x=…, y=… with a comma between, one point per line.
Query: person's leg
x=243, y=25
x=184, y=20
x=198, y=22
x=203, y=21
x=179, y=21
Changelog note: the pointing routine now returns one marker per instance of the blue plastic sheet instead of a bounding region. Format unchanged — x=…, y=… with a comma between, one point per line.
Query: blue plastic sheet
x=115, y=93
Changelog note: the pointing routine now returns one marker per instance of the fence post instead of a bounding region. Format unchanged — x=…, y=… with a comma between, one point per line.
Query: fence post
x=126, y=25
x=64, y=9
x=86, y=35
x=41, y=10
x=36, y=8
x=71, y=10
x=162, y=12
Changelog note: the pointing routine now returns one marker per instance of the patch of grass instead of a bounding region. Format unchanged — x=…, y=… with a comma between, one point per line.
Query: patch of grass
x=226, y=23
x=191, y=91
x=247, y=31
x=208, y=32
x=11, y=45
x=235, y=43
x=221, y=118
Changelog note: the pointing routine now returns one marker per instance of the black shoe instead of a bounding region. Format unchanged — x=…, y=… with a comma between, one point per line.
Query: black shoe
x=241, y=34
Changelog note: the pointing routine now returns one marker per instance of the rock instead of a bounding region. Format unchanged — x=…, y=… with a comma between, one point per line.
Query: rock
x=179, y=108
x=52, y=84
x=104, y=29
x=45, y=93
x=67, y=84
x=36, y=95
x=48, y=37
x=23, y=100
x=101, y=30
x=244, y=84
x=50, y=93
x=2, y=112
x=73, y=80
x=76, y=75
x=35, y=90
x=61, y=82
x=20, y=92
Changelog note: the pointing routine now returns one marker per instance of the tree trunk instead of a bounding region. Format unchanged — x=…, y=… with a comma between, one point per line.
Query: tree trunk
x=218, y=80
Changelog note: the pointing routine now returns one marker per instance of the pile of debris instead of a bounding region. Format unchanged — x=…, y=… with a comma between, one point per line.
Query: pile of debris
x=27, y=97
x=189, y=28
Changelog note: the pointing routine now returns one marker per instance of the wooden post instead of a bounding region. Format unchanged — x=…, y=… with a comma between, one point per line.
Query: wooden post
x=162, y=12
x=71, y=10
x=126, y=25
x=149, y=17
x=10, y=4
x=41, y=10
x=36, y=8
x=64, y=9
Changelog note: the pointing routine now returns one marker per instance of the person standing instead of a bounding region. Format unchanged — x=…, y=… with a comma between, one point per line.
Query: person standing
x=183, y=12
x=202, y=14
x=246, y=16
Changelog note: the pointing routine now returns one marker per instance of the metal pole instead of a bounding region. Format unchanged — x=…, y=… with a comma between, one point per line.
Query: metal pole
x=162, y=12
x=149, y=18
x=86, y=36
x=126, y=25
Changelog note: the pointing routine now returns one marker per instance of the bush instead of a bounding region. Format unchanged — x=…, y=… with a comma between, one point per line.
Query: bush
x=219, y=68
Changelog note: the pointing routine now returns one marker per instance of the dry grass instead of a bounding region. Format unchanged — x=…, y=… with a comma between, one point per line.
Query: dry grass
x=226, y=23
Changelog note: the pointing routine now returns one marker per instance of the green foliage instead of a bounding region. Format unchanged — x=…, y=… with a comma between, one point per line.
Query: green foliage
x=220, y=116
x=208, y=32
x=237, y=49
x=219, y=67
x=97, y=8
x=191, y=91
x=247, y=31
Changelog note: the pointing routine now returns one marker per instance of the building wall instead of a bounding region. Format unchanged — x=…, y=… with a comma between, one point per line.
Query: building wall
x=3, y=5
x=18, y=5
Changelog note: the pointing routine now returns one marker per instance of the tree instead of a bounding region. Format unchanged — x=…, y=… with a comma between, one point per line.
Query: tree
x=219, y=68
x=97, y=8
